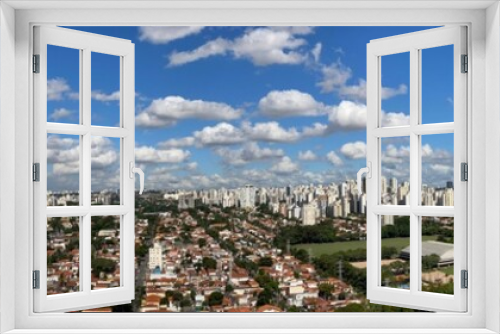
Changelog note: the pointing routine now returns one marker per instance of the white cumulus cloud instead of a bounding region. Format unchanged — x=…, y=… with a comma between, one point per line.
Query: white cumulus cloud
x=220, y=134
x=103, y=97
x=348, y=115
x=61, y=113
x=292, y=102
x=354, y=150
x=57, y=88
x=103, y=152
x=164, y=35
x=167, y=111
x=262, y=46
x=307, y=155
x=270, y=132
x=334, y=158
x=335, y=78
x=148, y=154
x=178, y=142
x=248, y=153
x=316, y=52
x=285, y=166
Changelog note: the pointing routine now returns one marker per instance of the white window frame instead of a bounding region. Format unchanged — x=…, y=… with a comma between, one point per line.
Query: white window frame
x=86, y=44
x=413, y=44
x=482, y=19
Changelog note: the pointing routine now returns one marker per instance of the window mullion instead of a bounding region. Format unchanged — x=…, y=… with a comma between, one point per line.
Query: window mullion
x=414, y=169
x=85, y=192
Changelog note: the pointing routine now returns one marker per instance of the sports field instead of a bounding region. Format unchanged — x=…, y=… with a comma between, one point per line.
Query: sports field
x=334, y=247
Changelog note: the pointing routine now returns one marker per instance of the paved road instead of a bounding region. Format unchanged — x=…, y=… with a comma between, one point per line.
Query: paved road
x=140, y=275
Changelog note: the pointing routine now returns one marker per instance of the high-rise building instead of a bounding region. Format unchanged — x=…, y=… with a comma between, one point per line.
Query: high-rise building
x=393, y=184
x=346, y=207
x=362, y=203
x=247, y=197
x=383, y=185
x=448, y=197
x=309, y=214
x=402, y=191
x=428, y=199
x=262, y=196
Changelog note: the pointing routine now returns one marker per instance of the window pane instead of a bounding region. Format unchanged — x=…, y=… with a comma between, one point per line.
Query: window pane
x=395, y=252
x=105, y=252
x=105, y=89
x=63, y=256
x=437, y=84
x=105, y=171
x=437, y=170
x=63, y=85
x=63, y=170
x=437, y=254
x=395, y=81
x=395, y=171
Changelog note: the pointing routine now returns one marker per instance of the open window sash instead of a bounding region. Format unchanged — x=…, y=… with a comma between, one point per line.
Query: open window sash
x=84, y=296
x=415, y=297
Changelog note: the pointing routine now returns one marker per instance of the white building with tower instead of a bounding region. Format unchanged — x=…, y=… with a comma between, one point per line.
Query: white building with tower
x=155, y=257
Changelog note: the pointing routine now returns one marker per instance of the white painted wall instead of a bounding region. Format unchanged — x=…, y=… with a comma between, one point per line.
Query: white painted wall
x=7, y=161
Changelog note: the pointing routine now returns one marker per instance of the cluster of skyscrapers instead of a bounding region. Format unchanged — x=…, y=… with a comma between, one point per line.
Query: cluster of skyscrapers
x=308, y=203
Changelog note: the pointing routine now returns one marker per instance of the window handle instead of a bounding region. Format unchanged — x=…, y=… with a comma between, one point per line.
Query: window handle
x=132, y=171
x=366, y=170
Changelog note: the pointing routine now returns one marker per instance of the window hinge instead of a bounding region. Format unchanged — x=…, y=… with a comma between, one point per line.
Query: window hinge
x=36, y=279
x=36, y=63
x=36, y=172
x=464, y=172
x=465, y=64
x=464, y=276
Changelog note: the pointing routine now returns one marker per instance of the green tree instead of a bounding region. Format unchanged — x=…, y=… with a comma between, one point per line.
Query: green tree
x=301, y=254
x=215, y=298
x=141, y=250
x=325, y=291
x=265, y=297
x=202, y=242
x=430, y=261
x=209, y=263
x=186, y=302
x=446, y=288
x=265, y=262
x=103, y=265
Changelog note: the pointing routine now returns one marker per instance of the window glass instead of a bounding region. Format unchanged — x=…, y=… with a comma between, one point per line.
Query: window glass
x=106, y=93
x=63, y=170
x=105, y=155
x=437, y=249
x=393, y=95
x=437, y=169
x=105, y=252
x=63, y=85
x=437, y=84
x=63, y=255
x=395, y=252
x=395, y=171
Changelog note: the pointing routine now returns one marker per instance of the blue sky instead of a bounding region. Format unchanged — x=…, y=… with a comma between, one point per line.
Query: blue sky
x=225, y=106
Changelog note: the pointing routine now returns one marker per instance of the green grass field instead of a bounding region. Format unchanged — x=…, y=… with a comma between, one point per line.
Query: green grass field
x=447, y=270
x=334, y=247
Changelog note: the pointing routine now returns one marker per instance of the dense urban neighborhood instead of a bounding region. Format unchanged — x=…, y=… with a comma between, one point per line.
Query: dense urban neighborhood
x=283, y=249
